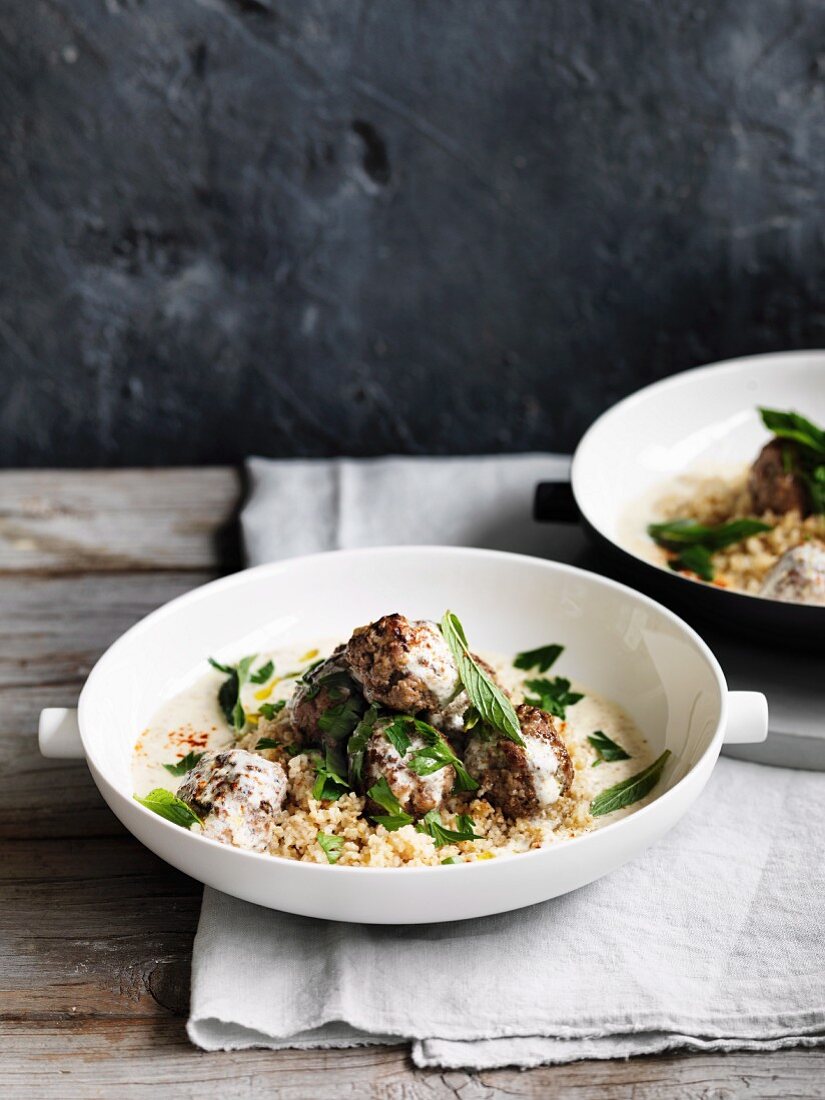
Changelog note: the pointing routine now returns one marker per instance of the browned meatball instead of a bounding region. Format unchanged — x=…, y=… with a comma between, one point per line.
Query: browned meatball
x=773, y=485
x=236, y=795
x=417, y=794
x=326, y=704
x=404, y=665
x=521, y=780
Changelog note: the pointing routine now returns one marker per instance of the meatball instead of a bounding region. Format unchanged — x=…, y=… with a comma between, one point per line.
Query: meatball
x=404, y=665
x=773, y=485
x=521, y=780
x=236, y=795
x=417, y=794
x=326, y=704
x=798, y=576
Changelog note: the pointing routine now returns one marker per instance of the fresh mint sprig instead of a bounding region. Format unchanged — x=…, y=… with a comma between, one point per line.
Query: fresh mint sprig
x=629, y=790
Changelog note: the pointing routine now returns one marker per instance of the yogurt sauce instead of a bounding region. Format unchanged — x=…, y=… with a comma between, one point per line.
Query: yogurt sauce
x=192, y=721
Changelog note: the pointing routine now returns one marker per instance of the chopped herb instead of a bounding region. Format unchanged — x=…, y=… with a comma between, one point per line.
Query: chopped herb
x=268, y=743
x=397, y=735
x=790, y=425
x=263, y=673
x=448, y=862
x=542, y=658
x=488, y=699
x=606, y=749
x=269, y=710
x=694, y=543
x=229, y=693
x=185, y=764
x=358, y=743
x=329, y=786
x=332, y=846
x=629, y=790
x=339, y=721
x=433, y=826
x=553, y=696
x=165, y=804
x=471, y=719
x=395, y=816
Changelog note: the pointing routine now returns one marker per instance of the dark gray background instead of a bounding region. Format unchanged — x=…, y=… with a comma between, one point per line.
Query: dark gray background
x=324, y=226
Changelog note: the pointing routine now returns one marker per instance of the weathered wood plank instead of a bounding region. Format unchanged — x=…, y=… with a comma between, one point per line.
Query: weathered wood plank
x=118, y=520
x=134, y=1058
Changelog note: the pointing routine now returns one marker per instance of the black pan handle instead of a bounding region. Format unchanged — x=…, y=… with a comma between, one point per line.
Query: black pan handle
x=554, y=503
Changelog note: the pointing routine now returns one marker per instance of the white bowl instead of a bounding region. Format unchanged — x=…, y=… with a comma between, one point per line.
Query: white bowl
x=618, y=643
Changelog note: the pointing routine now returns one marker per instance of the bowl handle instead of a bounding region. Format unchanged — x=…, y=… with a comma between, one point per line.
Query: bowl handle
x=747, y=718
x=58, y=734
x=554, y=503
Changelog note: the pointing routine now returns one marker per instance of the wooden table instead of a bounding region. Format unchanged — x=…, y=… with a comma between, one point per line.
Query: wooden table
x=97, y=932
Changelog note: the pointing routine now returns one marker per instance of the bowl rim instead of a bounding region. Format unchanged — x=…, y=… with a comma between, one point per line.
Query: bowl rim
x=258, y=859
x=675, y=381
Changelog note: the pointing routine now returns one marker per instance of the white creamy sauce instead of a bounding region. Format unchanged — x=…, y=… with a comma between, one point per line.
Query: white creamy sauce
x=192, y=721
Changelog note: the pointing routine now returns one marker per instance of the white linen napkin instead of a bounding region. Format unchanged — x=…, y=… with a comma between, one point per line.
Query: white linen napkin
x=711, y=940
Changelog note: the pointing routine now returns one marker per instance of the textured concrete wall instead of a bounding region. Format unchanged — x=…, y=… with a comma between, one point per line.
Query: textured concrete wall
x=325, y=226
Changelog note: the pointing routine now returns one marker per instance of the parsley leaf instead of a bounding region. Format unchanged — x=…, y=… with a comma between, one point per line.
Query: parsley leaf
x=629, y=790
x=268, y=743
x=395, y=816
x=328, y=786
x=397, y=735
x=229, y=693
x=332, y=846
x=339, y=721
x=486, y=696
x=433, y=826
x=358, y=743
x=269, y=710
x=553, y=696
x=263, y=673
x=606, y=749
x=185, y=764
x=542, y=658
x=165, y=804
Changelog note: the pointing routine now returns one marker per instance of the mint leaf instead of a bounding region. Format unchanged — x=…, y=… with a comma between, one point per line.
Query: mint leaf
x=790, y=425
x=542, y=658
x=165, y=804
x=185, y=764
x=487, y=697
x=229, y=693
x=629, y=790
x=694, y=543
x=332, y=846
x=606, y=749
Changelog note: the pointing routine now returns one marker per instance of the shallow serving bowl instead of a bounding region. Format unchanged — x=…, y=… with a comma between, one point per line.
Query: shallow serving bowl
x=618, y=643
x=696, y=421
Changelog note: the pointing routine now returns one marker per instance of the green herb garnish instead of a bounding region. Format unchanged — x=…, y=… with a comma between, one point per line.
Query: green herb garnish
x=340, y=720
x=165, y=804
x=268, y=743
x=449, y=862
x=332, y=846
x=328, y=786
x=542, y=658
x=229, y=693
x=435, y=754
x=694, y=543
x=629, y=790
x=269, y=710
x=553, y=696
x=395, y=817
x=810, y=445
x=606, y=749
x=433, y=826
x=488, y=699
x=185, y=764
x=263, y=673
x=358, y=743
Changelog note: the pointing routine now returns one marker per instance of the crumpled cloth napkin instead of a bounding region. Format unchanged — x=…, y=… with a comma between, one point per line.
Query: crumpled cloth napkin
x=711, y=940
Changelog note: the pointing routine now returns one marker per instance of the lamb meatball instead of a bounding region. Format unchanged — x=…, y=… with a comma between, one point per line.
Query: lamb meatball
x=236, y=794
x=521, y=780
x=417, y=793
x=404, y=665
x=798, y=576
x=326, y=702
x=773, y=485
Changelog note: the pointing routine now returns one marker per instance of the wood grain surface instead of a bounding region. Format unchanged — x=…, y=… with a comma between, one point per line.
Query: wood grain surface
x=95, y=932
